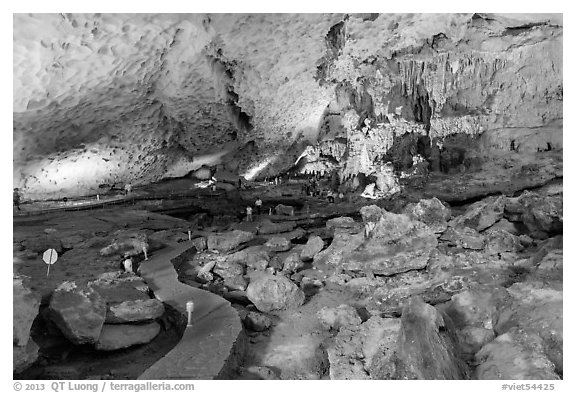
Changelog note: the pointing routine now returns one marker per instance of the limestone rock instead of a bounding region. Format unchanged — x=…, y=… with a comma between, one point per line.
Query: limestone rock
x=541, y=214
x=278, y=244
x=268, y=227
x=118, y=287
x=274, y=293
x=342, y=244
x=126, y=243
x=515, y=355
x=537, y=307
x=334, y=318
x=79, y=313
x=292, y=263
x=284, y=210
x=342, y=222
x=395, y=244
x=115, y=337
x=431, y=212
x=428, y=347
x=229, y=240
x=313, y=246
x=24, y=356
x=200, y=243
x=359, y=350
x=464, y=237
x=380, y=257
x=255, y=257
x=479, y=306
x=500, y=241
x=232, y=273
x=25, y=306
x=482, y=214
x=257, y=322
x=135, y=311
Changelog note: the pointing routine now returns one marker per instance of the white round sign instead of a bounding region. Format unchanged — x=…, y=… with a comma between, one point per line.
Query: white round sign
x=50, y=256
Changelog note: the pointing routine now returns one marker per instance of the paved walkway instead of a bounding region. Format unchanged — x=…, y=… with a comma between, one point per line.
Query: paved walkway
x=206, y=346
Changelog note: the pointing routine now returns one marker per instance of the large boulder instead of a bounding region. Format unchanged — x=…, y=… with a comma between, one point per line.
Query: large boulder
x=78, y=312
x=344, y=222
x=228, y=241
x=292, y=263
x=395, y=244
x=257, y=322
x=232, y=273
x=313, y=246
x=475, y=313
x=135, y=311
x=431, y=212
x=482, y=214
x=360, y=350
x=464, y=237
x=515, y=355
x=24, y=356
x=342, y=244
x=25, y=307
x=537, y=307
x=115, y=337
x=126, y=243
x=278, y=244
x=410, y=253
x=427, y=345
x=268, y=227
x=117, y=287
x=274, y=293
x=284, y=210
x=500, y=241
x=255, y=257
x=336, y=317
x=542, y=214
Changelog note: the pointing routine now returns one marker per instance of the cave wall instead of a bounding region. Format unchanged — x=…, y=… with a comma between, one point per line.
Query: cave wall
x=105, y=98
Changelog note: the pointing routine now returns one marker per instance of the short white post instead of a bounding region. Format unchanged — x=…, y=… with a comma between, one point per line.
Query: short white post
x=128, y=265
x=97, y=197
x=189, y=235
x=145, y=253
x=190, y=310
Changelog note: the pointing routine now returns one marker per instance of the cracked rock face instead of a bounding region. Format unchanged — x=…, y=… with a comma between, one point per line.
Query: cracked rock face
x=134, y=98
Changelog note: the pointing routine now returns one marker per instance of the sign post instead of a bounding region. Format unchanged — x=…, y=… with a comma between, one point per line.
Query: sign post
x=50, y=256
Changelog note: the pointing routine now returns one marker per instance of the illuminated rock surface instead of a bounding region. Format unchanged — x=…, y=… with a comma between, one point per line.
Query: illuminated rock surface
x=133, y=98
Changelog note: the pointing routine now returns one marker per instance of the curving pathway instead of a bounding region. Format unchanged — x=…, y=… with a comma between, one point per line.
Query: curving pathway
x=209, y=347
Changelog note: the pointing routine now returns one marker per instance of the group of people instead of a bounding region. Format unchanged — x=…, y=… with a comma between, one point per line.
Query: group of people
x=258, y=208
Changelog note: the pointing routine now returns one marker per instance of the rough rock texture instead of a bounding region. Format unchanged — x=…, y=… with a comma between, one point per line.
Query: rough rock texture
x=278, y=244
x=482, y=214
x=431, y=212
x=395, y=244
x=313, y=246
x=274, y=293
x=115, y=337
x=78, y=312
x=364, y=351
x=334, y=318
x=135, y=311
x=428, y=347
x=115, y=98
x=229, y=240
x=118, y=287
x=515, y=355
x=25, y=307
x=24, y=356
